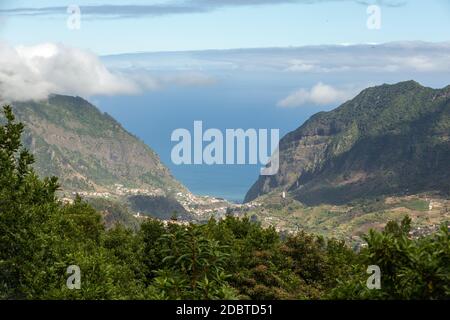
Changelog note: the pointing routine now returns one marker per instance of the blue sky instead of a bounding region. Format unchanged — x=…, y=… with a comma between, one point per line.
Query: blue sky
x=214, y=26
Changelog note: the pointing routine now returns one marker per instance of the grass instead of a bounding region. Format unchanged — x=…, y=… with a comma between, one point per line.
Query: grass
x=417, y=204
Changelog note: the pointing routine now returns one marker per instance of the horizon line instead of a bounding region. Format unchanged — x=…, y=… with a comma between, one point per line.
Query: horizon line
x=293, y=47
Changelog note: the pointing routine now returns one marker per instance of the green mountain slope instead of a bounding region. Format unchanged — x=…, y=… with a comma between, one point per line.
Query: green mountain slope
x=87, y=149
x=390, y=139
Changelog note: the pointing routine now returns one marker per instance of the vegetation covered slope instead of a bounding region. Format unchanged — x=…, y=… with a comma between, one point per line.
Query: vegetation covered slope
x=87, y=149
x=234, y=258
x=390, y=139
x=353, y=220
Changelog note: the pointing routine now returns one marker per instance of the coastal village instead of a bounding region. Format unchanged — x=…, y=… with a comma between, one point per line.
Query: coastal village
x=200, y=207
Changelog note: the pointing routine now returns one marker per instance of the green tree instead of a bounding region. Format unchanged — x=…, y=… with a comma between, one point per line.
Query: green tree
x=26, y=204
x=193, y=266
x=410, y=268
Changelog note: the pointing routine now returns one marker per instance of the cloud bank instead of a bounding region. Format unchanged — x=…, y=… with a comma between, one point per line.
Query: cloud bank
x=395, y=57
x=34, y=72
x=320, y=95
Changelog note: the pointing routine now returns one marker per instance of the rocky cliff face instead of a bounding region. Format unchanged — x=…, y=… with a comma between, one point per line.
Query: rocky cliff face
x=389, y=139
x=87, y=149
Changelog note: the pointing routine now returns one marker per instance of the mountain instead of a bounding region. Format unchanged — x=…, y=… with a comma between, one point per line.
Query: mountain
x=88, y=150
x=390, y=139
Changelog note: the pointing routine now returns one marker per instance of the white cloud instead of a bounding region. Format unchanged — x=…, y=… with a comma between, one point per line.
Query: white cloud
x=420, y=63
x=189, y=79
x=35, y=72
x=147, y=80
x=298, y=65
x=321, y=94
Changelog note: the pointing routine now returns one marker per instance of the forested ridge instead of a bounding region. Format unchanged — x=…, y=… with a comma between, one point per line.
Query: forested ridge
x=40, y=237
x=388, y=140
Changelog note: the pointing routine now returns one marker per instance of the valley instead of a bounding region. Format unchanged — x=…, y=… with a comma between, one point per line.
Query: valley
x=378, y=157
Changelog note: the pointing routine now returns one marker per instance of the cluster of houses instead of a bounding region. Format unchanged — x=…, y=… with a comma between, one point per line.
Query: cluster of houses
x=425, y=231
x=93, y=194
x=120, y=190
x=203, y=206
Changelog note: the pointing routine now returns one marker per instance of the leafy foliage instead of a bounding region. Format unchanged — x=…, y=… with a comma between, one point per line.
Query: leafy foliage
x=410, y=269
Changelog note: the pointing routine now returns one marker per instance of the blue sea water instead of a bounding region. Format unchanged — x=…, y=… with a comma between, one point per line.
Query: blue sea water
x=153, y=116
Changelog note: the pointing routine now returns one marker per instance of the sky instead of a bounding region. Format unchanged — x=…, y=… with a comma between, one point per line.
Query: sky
x=109, y=27
x=157, y=66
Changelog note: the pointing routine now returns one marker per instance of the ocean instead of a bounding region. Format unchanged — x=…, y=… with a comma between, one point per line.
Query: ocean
x=153, y=116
